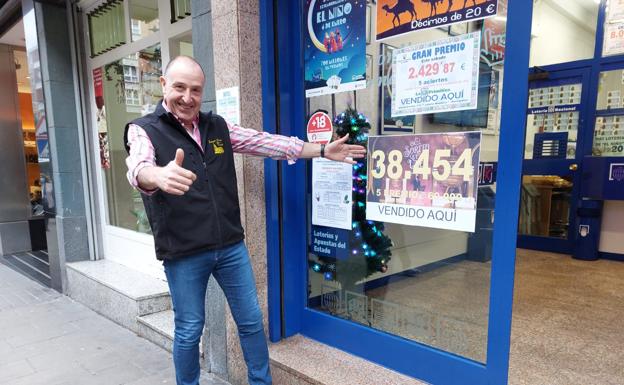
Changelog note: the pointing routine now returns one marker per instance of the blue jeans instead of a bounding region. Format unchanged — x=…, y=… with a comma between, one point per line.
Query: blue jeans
x=188, y=280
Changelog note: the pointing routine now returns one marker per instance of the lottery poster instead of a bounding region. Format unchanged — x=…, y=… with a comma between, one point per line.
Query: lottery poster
x=427, y=180
x=335, y=46
x=437, y=76
x=398, y=17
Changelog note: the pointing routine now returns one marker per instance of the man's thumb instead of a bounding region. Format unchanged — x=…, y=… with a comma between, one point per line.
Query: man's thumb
x=179, y=157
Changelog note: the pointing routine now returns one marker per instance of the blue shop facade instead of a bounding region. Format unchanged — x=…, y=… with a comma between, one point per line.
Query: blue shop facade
x=428, y=299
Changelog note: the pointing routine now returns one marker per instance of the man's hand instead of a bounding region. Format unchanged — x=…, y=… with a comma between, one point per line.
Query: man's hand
x=172, y=179
x=342, y=152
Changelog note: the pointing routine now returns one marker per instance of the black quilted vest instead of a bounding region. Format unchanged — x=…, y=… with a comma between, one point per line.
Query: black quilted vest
x=207, y=217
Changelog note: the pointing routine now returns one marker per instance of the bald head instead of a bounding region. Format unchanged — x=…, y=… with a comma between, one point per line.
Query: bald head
x=183, y=85
x=183, y=63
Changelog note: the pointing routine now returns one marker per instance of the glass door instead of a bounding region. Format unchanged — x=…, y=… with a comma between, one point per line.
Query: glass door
x=427, y=299
x=553, y=154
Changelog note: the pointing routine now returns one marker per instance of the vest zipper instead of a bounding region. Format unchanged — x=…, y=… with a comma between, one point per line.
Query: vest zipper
x=214, y=204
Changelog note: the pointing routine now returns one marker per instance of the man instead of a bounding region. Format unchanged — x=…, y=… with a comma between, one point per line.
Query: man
x=182, y=162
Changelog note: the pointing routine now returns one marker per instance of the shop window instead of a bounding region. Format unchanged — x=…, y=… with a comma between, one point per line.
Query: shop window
x=563, y=31
x=125, y=90
x=609, y=123
x=421, y=281
x=143, y=18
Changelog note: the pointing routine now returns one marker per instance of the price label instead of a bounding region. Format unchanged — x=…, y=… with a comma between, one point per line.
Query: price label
x=427, y=70
x=426, y=180
x=442, y=169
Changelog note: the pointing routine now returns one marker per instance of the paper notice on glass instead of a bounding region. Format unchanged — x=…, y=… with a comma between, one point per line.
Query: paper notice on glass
x=613, y=39
x=436, y=76
x=228, y=104
x=331, y=193
x=615, y=11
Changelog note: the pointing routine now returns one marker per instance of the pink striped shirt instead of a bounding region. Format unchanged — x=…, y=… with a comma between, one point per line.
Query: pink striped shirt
x=244, y=140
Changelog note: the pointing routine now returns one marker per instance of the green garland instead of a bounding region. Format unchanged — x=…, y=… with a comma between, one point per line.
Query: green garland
x=367, y=239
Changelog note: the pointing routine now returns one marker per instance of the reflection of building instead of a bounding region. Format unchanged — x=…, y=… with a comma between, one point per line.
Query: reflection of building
x=132, y=85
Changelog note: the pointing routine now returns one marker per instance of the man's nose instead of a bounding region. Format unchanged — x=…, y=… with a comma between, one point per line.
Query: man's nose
x=187, y=96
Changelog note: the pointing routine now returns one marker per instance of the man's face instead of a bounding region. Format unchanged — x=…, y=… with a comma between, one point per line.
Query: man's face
x=182, y=89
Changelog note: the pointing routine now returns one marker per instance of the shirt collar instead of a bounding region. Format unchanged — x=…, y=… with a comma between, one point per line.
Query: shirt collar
x=195, y=120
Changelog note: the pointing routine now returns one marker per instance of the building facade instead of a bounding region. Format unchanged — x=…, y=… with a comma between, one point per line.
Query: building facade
x=435, y=302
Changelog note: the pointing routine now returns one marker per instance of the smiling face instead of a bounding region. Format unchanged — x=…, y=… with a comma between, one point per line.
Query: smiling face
x=183, y=84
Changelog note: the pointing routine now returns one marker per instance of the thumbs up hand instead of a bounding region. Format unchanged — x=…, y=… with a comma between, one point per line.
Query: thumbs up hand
x=173, y=178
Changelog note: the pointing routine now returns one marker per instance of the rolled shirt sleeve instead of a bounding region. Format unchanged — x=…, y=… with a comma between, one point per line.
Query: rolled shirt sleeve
x=258, y=143
x=141, y=155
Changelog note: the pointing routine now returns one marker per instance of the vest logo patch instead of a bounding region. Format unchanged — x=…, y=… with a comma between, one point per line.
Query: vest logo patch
x=217, y=146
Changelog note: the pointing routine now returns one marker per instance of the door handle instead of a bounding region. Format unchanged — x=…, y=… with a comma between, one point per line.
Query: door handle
x=573, y=167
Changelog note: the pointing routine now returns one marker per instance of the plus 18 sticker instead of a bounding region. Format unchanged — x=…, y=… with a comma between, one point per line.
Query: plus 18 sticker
x=320, y=128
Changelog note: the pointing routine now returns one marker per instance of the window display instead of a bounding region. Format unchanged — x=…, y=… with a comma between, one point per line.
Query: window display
x=406, y=277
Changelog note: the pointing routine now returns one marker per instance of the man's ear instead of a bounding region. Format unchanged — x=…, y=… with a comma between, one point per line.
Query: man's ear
x=163, y=83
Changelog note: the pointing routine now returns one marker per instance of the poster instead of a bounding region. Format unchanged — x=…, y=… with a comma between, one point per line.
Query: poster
x=335, y=46
x=494, y=35
x=228, y=104
x=615, y=11
x=331, y=193
x=398, y=17
x=427, y=180
x=98, y=90
x=609, y=144
x=613, y=39
x=437, y=76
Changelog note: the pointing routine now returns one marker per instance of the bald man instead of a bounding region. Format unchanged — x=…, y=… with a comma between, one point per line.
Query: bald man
x=181, y=160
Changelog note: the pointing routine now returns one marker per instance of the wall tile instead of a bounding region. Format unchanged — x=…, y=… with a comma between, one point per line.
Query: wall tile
x=64, y=160
x=226, y=50
x=249, y=6
x=223, y=7
x=60, y=106
x=68, y=194
x=203, y=52
x=200, y=7
x=73, y=233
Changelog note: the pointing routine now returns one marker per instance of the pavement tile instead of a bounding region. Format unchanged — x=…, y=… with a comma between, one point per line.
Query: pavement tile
x=49, y=339
x=14, y=370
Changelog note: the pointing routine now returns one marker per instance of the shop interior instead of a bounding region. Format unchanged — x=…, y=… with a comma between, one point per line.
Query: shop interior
x=34, y=261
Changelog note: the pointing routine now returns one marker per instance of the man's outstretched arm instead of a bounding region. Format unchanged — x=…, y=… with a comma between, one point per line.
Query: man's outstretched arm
x=252, y=142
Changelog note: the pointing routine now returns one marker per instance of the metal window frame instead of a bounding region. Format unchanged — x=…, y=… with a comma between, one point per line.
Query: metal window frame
x=286, y=243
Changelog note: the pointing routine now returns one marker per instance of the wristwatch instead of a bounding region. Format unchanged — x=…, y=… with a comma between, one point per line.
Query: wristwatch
x=322, y=150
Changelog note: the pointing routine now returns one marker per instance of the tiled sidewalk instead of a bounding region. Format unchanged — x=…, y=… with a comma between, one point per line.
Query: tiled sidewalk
x=46, y=338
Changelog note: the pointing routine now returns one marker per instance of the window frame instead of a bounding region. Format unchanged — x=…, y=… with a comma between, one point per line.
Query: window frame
x=121, y=245
x=287, y=244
